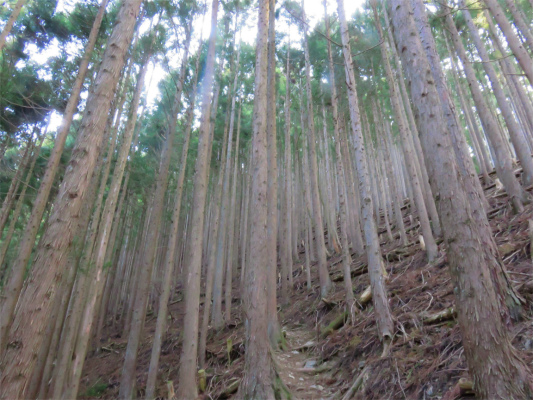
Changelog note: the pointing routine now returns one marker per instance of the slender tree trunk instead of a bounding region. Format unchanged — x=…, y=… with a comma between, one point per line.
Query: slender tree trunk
x=503, y=163
x=20, y=201
x=325, y=281
x=274, y=329
x=286, y=261
x=519, y=141
x=373, y=251
x=521, y=24
x=258, y=380
x=7, y=204
x=9, y=24
x=232, y=222
x=521, y=54
x=187, y=388
x=169, y=259
x=139, y=308
x=346, y=257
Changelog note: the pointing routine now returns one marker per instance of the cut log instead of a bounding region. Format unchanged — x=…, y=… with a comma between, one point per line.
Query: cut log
x=335, y=324
x=444, y=315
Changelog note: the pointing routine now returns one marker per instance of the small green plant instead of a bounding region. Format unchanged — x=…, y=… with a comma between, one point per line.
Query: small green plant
x=96, y=390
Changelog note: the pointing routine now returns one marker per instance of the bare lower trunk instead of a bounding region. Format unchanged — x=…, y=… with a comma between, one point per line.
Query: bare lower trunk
x=258, y=380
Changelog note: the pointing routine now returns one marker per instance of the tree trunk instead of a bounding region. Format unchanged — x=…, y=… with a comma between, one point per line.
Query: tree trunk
x=373, y=251
x=27, y=242
x=497, y=370
x=9, y=24
x=516, y=46
x=325, y=281
x=187, y=388
x=503, y=164
x=258, y=380
x=274, y=329
x=431, y=246
x=346, y=257
x=519, y=141
x=139, y=308
x=50, y=262
x=169, y=257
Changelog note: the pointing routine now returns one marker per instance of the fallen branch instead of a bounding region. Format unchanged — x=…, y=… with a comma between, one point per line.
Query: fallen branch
x=230, y=389
x=366, y=296
x=356, y=385
x=444, y=315
x=335, y=324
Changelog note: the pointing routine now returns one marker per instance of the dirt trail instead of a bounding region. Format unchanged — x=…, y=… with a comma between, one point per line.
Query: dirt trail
x=300, y=369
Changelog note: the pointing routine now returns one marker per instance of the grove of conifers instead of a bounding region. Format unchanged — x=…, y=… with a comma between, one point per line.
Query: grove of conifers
x=233, y=199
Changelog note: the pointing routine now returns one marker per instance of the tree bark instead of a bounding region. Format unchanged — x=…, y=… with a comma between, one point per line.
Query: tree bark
x=497, y=370
x=521, y=54
x=519, y=141
x=325, y=281
x=258, y=380
x=10, y=22
x=50, y=262
x=373, y=251
x=187, y=388
x=27, y=242
x=503, y=164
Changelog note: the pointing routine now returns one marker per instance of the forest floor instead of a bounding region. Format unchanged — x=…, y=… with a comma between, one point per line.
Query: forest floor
x=425, y=360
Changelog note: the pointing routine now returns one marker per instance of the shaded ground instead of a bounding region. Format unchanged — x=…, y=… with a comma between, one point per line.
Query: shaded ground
x=425, y=362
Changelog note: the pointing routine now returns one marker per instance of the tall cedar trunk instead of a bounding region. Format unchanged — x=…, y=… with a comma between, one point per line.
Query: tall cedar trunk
x=225, y=173
x=407, y=114
x=373, y=251
x=519, y=141
x=258, y=380
x=323, y=274
x=9, y=24
x=232, y=222
x=274, y=329
x=214, y=230
x=475, y=135
x=521, y=24
x=139, y=307
x=503, y=164
x=97, y=276
x=187, y=388
x=511, y=75
x=9, y=199
x=32, y=226
x=431, y=246
x=21, y=196
x=170, y=256
x=462, y=153
x=396, y=198
x=497, y=370
x=346, y=257
x=521, y=54
x=50, y=262
x=286, y=259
